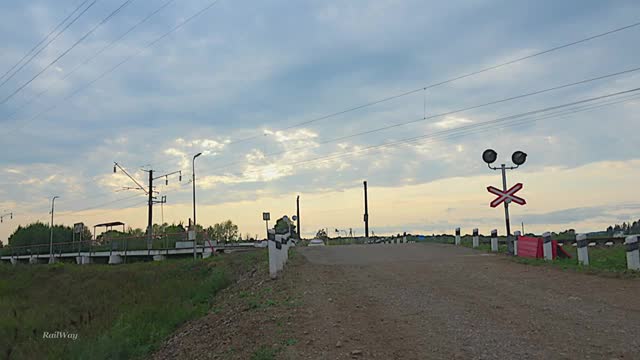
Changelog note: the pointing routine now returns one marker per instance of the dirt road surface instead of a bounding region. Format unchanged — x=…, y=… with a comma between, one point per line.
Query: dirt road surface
x=417, y=301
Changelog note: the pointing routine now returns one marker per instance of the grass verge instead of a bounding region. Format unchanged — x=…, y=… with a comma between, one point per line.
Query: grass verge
x=117, y=312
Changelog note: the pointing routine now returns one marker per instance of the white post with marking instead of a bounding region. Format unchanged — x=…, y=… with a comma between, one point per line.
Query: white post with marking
x=494, y=240
x=516, y=235
x=273, y=266
x=633, y=255
x=457, y=236
x=547, y=249
x=476, y=239
x=583, y=249
x=280, y=252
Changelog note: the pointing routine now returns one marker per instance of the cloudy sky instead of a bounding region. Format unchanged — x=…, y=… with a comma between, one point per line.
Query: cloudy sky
x=260, y=87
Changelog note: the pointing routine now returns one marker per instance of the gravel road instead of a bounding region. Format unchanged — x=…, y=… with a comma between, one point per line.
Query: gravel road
x=417, y=301
x=423, y=301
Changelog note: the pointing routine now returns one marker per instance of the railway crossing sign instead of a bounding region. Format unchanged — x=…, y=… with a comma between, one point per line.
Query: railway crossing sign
x=506, y=196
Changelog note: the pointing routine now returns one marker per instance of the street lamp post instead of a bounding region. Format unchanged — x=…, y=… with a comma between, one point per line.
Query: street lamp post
x=51, y=259
x=193, y=167
x=518, y=158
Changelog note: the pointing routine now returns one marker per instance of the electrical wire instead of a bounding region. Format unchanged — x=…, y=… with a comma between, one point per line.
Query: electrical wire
x=112, y=69
x=426, y=136
x=89, y=59
x=64, y=53
x=49, y=42
x=388, y=127
x=450, y=80
x=43, y=39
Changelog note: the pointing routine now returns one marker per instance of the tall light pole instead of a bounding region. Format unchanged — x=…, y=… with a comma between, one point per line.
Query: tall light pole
x=51, y=259
x=518, y=158
x=193, y=167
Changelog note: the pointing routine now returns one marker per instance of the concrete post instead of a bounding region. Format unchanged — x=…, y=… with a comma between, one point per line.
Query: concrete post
x=476, y=239
x=159, y=258
x=115, y=259
x=633, y=255
x=273, y=267
x=494, y=240
x=14, y=260
x=547, y=249
x=33, y=260
x=457, y=236
x=280, y=253
x=583, y=250
x=516, y=235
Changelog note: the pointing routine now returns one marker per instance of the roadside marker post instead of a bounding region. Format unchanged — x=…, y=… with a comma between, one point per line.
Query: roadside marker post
x=583, y=250
x=516, y=235
x=547, y=246
x=476, y=239
x=457, y=236
x=271, y=240
x=633, y=255
x=494, y=240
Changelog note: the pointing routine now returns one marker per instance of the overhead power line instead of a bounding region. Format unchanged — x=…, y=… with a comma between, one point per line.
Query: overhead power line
x=43, y=40
x=424, y=118
x=111, y=15
x=430, y=135
x=450, y=80
x=90, y=58
x=112, y=69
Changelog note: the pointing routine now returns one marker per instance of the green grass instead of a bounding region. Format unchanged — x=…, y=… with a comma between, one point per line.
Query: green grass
x=602, y=260
x=118, y=312
x=611, y=260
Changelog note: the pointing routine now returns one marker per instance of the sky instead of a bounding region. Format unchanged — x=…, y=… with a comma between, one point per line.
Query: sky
x=272, y=93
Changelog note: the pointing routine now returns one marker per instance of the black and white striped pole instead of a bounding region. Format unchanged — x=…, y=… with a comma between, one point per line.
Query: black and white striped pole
x=476, y=239
x=583, y=249
x=633, y=254
x=457, y=236
x=547, y=248
x=516, y=236
x=494, y=240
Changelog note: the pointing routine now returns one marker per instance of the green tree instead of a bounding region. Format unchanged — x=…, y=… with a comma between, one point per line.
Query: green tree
x=224, y=231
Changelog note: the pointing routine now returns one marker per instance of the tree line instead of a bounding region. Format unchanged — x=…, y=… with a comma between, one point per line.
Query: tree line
x=625, y=228
x=39, y=233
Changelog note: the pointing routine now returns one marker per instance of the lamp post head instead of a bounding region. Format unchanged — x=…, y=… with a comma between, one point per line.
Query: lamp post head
x=489, y=156
x=196, y=155
x=519, y=158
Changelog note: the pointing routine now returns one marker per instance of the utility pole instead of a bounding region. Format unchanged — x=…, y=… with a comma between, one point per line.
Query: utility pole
x=51, y=259
x=366, y=212
x=150, y=213
x=298, y=217
x=195, y=224
x=148, y=191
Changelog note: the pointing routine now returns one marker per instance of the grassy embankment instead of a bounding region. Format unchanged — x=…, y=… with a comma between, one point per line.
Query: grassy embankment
x=602, y=260
x=118, y=312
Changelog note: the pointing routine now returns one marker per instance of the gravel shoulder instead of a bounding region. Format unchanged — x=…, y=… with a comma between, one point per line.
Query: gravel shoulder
x=415, y=301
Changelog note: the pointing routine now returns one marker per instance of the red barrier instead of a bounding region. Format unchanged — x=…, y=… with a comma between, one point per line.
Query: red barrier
x=531, y=247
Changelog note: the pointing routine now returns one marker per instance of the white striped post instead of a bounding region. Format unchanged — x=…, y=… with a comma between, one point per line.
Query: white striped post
x=273, y=259
x=583, y=250
x=494, y=240
x=476, y=239
x=516, y=235
x=633, y=255
x=457, y=236
x=547, y=249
